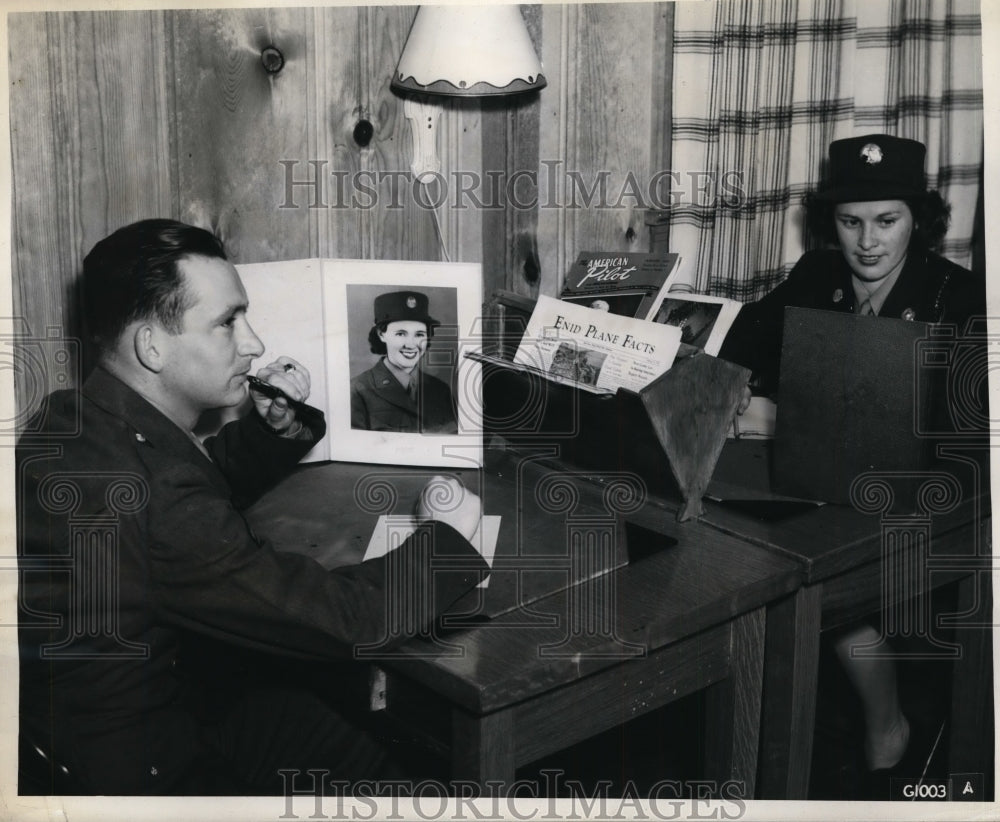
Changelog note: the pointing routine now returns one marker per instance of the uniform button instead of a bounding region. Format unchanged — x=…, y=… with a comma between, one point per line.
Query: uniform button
x=139, y=437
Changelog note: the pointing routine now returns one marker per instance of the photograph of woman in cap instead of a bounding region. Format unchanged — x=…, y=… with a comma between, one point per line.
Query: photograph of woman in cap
x=876, y=210
x=396, y=394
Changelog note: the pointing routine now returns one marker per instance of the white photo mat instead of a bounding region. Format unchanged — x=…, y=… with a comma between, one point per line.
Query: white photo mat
x=462, y=450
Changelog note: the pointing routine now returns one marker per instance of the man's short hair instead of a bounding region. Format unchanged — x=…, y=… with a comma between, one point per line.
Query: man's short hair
x=132, y=275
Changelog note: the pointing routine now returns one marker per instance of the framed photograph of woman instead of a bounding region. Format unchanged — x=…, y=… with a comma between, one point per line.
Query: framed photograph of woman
x=401, y=389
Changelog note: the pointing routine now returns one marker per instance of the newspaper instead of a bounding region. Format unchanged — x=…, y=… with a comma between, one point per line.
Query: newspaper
x=595, y=350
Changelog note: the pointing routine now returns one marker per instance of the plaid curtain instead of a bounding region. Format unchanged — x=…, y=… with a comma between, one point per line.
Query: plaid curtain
x=761, y=88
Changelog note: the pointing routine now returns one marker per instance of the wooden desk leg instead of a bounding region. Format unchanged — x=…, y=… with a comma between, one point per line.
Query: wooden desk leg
x=482, y=748
x=733, y=708
x=791, y=677
x=970, y=744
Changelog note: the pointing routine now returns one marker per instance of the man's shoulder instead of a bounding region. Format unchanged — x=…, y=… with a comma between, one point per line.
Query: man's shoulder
x=67, y=419
x=57, y=415
x=74, y=446
x=101, y=425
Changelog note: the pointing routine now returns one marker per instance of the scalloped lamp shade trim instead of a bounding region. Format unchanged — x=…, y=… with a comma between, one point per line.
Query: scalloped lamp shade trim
x=468, y=51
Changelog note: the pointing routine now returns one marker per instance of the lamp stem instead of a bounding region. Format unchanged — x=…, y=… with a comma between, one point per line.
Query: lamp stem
x=423, y=119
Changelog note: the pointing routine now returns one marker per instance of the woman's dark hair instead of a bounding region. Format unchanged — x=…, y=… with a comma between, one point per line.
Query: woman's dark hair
x=378, y=347
x=931, y=217
x=132, y=274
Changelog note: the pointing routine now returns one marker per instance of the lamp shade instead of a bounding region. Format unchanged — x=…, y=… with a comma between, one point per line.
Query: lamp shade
x=468, y=51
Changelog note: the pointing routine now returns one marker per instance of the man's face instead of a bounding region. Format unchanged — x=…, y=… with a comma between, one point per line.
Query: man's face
x=207, y=362
x=874, y=236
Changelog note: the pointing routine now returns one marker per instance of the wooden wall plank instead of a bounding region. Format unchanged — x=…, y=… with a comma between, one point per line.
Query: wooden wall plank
x=234, y=123
x=89, y=147
x=461, y=164
x=596, y=121
x=511, y=145
x=40, y=256
x=661, y=76
x=662, y=82
x=333, y=83
x=392, y=232
x=298, y=127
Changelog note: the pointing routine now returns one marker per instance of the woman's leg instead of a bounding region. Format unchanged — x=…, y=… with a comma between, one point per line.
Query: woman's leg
x=887, y=732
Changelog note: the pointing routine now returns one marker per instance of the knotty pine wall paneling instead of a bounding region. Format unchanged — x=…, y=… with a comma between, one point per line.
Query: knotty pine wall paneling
x=90, y=150
x=355, y=56
x=232, y=124
x=510, y=148
x=606, y=109
x=116, y=116
x=598, y=116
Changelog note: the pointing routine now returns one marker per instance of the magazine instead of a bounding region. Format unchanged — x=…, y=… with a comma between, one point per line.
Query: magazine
x=704, y=321
x=625, y=283
x=595, y=350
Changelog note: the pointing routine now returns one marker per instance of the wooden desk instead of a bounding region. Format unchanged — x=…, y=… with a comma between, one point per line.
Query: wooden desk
x=848, y=559
x=544, y=676
x=689, y=617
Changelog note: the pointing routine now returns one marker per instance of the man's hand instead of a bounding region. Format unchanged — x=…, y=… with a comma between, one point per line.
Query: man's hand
x=446, y=500
x=293, y=379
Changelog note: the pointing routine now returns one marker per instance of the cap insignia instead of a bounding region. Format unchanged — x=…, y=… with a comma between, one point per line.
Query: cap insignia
x=872, y=154
x=411, y=302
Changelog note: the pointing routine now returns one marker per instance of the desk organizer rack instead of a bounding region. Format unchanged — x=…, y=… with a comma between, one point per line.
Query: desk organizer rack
x=669, y=434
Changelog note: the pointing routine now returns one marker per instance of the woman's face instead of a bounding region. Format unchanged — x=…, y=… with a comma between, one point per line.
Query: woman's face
x=874, y=236
x=405, y=343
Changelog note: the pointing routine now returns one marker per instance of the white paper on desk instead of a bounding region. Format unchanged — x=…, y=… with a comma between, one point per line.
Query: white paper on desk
x=396, y=528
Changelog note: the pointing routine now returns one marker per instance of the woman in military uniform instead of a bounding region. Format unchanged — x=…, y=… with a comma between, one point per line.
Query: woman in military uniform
x=395, y=394
x=875, y=207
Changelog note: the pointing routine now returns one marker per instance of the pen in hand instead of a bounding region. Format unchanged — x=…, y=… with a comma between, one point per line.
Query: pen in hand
x=272, y=391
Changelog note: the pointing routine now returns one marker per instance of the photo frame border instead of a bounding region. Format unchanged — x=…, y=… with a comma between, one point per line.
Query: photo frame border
x=347, y=444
